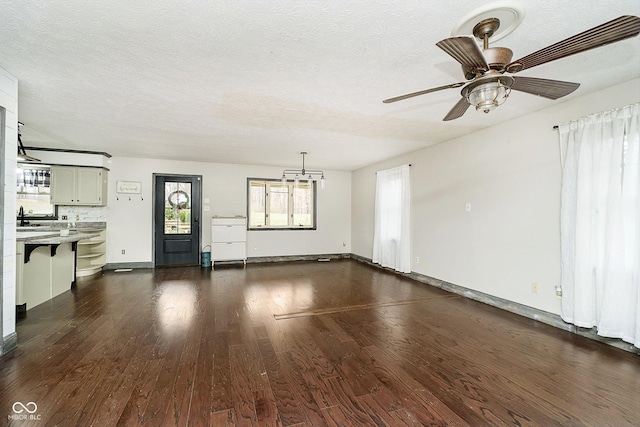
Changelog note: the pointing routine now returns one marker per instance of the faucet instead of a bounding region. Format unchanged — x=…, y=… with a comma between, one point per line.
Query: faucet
x=21, y=215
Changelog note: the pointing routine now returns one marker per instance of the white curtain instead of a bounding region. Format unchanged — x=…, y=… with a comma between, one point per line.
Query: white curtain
x=391, y=238
x=600, y=223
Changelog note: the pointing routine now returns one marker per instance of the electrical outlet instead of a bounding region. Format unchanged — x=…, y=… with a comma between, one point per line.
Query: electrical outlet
x=534, y=288
x=417, y=260
x=559, y=290
x=123, y=252
x=467, y=207
x=64, y=217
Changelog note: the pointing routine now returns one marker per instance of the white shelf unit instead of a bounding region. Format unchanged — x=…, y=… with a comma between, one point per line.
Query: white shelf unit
x=228, y=239
x=92, y=253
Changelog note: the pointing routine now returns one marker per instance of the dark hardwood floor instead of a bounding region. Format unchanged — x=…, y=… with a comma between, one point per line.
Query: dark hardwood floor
x=305, y=344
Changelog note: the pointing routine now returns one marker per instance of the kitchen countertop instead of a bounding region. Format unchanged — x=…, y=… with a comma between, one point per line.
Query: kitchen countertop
x=50, y=237
x=58, y=225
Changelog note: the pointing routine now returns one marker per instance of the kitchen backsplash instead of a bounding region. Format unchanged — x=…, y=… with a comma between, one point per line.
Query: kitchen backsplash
x=83, y=213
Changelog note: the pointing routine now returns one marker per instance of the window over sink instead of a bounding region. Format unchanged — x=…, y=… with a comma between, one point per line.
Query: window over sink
x=33, y=192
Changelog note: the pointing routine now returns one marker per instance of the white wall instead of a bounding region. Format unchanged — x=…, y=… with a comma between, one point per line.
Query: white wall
x=129, y=217
x=9, y=100
x=510, y=174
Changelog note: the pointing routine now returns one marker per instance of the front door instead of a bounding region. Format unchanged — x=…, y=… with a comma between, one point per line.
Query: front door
x=176, y=214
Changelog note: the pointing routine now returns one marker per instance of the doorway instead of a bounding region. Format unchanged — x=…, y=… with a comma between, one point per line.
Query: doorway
x=176, y=219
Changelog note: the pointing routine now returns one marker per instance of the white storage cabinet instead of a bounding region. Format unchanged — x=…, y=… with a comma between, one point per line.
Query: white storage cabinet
x=228, y=239
x=72, y=185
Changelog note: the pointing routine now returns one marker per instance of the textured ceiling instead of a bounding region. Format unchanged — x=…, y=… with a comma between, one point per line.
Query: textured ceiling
x=256, y=82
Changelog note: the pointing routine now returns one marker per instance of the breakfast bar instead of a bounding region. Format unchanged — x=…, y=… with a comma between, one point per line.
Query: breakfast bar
x=45, y=265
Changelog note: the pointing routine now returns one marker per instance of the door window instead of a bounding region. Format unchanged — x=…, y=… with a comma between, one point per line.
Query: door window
x=177, y=208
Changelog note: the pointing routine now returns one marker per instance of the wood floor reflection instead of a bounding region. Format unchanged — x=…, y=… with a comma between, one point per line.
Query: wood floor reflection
x=305, y=344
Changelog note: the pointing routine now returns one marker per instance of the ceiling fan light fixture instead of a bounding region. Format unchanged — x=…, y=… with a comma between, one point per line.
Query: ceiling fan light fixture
x=485, y=67
x=488, y=94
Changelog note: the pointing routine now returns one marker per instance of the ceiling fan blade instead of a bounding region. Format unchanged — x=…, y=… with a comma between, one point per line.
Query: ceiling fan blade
x=619, y=29
x=422, y=92
x=552, y=89
x=466, y=51
x=457, y=111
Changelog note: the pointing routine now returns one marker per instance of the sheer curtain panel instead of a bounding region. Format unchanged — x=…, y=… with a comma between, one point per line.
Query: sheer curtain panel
x=600, y=223
x=391, y=238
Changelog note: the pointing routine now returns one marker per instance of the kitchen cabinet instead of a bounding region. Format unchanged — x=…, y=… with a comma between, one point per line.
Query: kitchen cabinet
x=45, y=265
x=228, y=239
x=47, y=273
x=72, y=185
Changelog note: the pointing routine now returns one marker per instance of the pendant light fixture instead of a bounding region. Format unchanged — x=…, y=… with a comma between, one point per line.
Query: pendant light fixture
x=22, y=153
x=303, y=174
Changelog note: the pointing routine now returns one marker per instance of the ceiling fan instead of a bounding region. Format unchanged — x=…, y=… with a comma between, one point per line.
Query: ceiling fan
x=488, y=70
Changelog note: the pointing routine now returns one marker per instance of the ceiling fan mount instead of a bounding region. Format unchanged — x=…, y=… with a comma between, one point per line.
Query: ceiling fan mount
x=497, y=57
x=485, y=28
x=488, y=86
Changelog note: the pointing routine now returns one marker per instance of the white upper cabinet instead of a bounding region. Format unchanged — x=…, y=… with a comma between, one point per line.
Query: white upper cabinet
x=72, y=185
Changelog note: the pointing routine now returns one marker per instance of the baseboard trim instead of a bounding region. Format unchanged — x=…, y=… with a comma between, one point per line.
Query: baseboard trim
x=290, y=258
x=9, y=343
x=117, y=265
x=513, y=307
x=284, y=258
x=251, y=260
